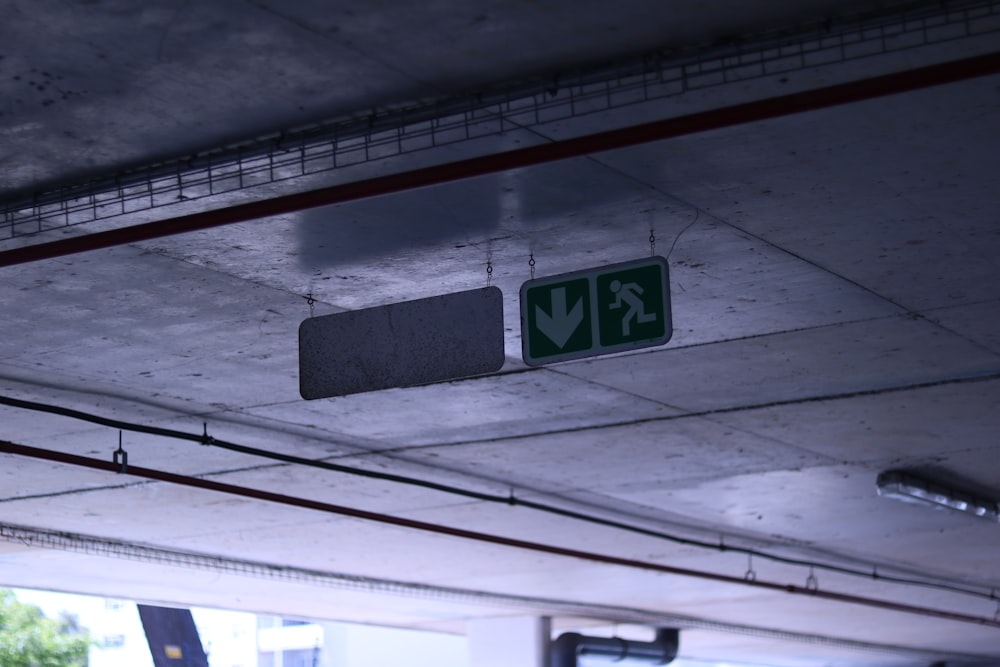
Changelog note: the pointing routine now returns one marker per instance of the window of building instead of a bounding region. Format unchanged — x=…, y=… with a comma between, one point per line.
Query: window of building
x=300, y=658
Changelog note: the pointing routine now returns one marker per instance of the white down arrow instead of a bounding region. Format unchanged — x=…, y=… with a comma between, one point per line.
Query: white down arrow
x=562, y=323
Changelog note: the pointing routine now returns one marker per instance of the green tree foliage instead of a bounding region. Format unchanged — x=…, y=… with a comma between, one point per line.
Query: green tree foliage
x=29, y=639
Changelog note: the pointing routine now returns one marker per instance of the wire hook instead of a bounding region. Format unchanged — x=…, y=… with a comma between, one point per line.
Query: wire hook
x=812, y=583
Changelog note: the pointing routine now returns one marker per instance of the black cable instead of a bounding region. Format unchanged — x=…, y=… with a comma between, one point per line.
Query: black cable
x=208, y=440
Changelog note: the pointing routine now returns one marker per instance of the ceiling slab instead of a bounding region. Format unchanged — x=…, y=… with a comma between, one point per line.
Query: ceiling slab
x=175, y=73
x=666, y=451
x=833, y=280
x=794, y=366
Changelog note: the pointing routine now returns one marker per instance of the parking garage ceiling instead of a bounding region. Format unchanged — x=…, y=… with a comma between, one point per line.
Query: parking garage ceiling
x=833, y=277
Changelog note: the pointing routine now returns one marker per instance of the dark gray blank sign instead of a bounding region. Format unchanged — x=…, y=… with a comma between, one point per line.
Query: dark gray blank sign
x=401, y=344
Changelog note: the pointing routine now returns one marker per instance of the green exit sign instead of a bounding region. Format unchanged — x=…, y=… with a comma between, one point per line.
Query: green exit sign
x=596, y=311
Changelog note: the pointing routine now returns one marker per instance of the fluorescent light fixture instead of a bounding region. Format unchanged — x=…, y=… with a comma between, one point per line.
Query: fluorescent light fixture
x=910, y=488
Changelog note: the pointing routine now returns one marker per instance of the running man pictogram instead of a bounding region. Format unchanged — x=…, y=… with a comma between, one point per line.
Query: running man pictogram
x=630, y=294
x=600, y=310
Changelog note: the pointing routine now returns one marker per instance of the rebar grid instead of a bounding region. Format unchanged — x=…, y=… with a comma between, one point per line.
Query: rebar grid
x=394, y=132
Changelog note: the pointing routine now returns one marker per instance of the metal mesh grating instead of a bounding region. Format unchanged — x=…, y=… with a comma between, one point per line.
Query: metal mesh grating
x=37, y=538
x=325, y=148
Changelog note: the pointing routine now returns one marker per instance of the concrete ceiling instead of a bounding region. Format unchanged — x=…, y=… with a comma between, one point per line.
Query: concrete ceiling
x=836, y=301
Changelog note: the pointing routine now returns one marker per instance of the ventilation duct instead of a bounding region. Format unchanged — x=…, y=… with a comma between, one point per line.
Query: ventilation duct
x=569, y=647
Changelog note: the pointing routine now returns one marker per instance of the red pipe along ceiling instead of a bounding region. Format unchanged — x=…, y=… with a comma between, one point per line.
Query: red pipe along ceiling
x=821, y=98
x=305, y=503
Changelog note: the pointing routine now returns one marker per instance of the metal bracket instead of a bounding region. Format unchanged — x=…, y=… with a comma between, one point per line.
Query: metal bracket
x=120, y=456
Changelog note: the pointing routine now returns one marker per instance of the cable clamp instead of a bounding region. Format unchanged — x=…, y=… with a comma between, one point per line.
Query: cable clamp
x=206, y=439
x=120, y=456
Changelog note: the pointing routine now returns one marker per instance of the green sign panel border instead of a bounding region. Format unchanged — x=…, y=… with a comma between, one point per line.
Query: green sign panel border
x=538, y=353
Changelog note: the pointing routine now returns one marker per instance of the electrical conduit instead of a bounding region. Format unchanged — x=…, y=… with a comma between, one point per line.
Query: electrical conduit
x=776, y=107
x=569, y=647
x=293, y=501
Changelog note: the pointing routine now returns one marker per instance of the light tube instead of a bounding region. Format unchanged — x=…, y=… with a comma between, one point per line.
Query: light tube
x=911, y=488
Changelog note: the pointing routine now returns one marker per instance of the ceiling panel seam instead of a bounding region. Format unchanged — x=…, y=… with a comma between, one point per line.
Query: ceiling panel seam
x=73, y=492
x=390, y=449
x=565, y=369
x=348, y=44
x=797, y=256
x=166, y=254
x=618, y=390
x=985, y=376
x=810, y=262
x=909, y=312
